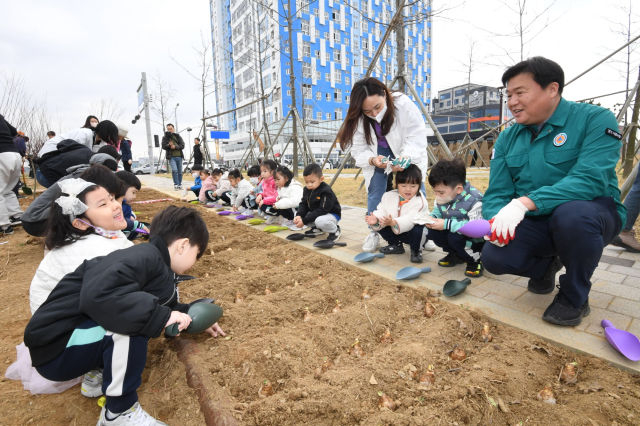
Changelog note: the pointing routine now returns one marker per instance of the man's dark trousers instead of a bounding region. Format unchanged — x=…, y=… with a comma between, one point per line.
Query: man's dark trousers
x=576, y=232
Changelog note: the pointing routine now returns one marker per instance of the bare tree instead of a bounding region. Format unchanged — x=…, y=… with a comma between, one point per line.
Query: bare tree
x=24, y=112
x=107, y=109
x=161, y=96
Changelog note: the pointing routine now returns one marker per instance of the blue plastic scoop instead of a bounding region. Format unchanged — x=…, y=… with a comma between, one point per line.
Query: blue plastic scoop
x=365, y=257
x=411, y=272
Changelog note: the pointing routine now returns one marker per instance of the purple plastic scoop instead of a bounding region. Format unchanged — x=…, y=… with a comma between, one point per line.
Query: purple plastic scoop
x=476, y=228
x=626, y=343
x=244, y=216
x=224, y=213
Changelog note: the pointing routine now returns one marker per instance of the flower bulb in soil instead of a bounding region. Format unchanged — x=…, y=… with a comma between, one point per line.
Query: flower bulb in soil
x=356, y=350
x=386, y=337
x=546, y=395
x=486, y=333
x=429, y=310
x=337, y=308
x=307, y=315
x=266, y=389
x=385, y=402
x=365, y=294
x=267, y=291
x=569, y=373
x=458, y=354
x=428, y=377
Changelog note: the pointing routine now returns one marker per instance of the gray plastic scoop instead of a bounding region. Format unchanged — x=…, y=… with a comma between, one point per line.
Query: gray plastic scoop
x=411, y=272
x=203, y=316
x=455, y=287
x=365, y=257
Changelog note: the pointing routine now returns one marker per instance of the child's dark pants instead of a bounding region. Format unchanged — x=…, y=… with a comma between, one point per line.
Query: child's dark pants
x=288, y=214
x=89, y=348
x=452, y=242
x=412, y=237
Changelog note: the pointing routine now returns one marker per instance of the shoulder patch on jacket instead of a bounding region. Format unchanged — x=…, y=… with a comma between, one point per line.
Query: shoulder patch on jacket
x=613, y=133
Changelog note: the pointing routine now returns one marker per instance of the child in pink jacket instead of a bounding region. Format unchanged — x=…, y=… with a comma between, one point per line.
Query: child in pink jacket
x=269, y=194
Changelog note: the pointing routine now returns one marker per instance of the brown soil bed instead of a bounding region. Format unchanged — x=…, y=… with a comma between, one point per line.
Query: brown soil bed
x=311, y=366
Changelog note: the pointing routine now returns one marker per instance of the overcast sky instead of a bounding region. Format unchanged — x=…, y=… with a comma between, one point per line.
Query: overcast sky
x=73, y=55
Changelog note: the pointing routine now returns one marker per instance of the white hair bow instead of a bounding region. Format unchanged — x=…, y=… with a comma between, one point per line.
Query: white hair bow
x=70, y=203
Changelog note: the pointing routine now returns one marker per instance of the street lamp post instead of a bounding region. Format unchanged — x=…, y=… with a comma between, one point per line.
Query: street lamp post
x=175, y=114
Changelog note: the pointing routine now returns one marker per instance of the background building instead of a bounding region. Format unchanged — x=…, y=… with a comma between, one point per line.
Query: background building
x=332, y=43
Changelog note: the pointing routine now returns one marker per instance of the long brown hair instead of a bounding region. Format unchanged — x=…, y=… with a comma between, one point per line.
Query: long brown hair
x=359, y=92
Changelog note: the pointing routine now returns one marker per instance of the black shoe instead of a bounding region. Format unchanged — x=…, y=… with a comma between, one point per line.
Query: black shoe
x=313, y=231
x=15, y=220
x=416, y=256
x=393, y=249
x=548, y=282
x=474, y=269
x=562, y=312
x=333, y=236
x=449, y=260
x=6, y=230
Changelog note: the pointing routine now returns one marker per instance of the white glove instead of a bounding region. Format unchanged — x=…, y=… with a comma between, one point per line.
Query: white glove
x=505, y=222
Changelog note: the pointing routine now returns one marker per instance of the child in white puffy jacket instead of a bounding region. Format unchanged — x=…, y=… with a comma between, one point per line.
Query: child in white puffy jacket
x=289, y=197
x=398, y=216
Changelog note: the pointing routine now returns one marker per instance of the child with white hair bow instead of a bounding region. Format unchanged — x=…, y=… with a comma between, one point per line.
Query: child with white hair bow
x=85, y=222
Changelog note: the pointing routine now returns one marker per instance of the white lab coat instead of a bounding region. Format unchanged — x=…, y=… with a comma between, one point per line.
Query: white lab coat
x=407, y=138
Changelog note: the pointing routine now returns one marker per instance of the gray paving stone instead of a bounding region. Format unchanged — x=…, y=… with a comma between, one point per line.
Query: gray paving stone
x=608, y=276
x=632, y=282
x=597, y=315
x=532, y=300
x=634, y=327
x=625, y=270
x=611, y=260
x=625, y=306
x=503, y=289
x=504, y=301
x=599, y=300
x=616, y=289
x=631, y=256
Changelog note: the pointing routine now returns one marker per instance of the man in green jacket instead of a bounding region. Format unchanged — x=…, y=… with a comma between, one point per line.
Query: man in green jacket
x=553, y=193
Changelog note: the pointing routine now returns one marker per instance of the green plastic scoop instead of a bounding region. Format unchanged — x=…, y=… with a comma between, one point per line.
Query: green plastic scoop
x=203, y=315
x=455, y=287
x=255, y=221
x=274, y=228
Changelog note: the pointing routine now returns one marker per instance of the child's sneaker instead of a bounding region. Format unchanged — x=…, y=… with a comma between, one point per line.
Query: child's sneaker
x=393, y=249
x=273, y=220
x=292, y=226
x=449, y=260
x=416, y=256
x=133, y=416
x=313, y=231
x=371, y=242
x=429, y=246
x=333, y=236
x=92, y=384
x=6, y=229
x=474, y=269
x=15, y=220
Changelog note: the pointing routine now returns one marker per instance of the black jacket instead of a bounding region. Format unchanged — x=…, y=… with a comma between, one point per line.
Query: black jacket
x=54, y=164
x=197, y=155
x=130, y=291
x=177, y=141
x=318, y=202
x=7, y=132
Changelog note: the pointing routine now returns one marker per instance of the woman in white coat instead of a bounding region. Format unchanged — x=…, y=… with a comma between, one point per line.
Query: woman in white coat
x=382, y=124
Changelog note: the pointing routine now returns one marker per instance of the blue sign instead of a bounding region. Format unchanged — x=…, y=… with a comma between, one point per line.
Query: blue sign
x=140, y=97
x=219, y=134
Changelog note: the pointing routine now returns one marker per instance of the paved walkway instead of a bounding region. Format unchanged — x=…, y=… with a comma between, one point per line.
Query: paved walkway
x=615, y=294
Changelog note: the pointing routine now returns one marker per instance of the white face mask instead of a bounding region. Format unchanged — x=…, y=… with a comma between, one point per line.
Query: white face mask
x=253, y=180
x=443, y=200
x=195, y=175
x=380, y=115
